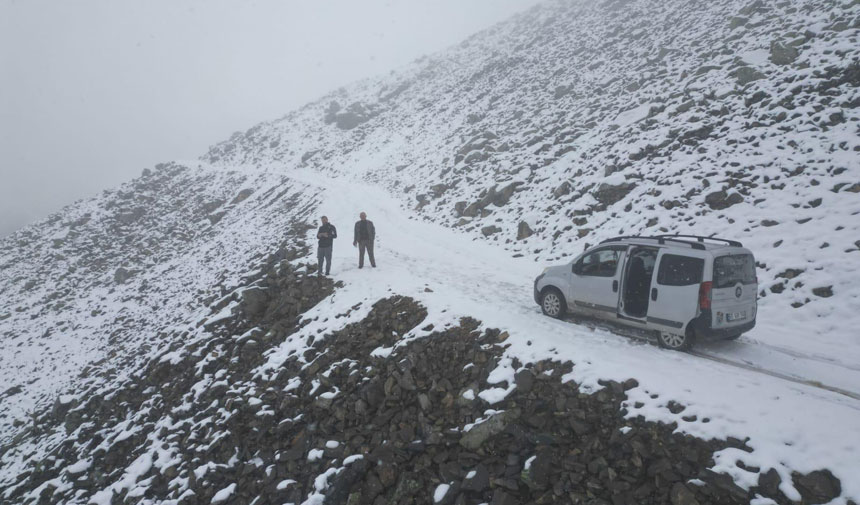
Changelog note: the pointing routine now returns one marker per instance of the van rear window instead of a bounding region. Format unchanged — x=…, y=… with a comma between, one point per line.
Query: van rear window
x=680, y=270
x=730, y=270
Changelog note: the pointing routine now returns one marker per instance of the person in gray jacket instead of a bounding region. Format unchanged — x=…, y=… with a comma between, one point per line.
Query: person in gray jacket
x=363, y=238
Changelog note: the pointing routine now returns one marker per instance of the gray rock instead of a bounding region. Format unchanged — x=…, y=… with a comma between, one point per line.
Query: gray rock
x=424, y=402
x=121, y=275
x=242, y=196
x=255, y=302
x=525, y=380
x=819, y=486
x=824, y=292
x=479, y=434
x=331, y=112
x=719, y=200
x=537, y=476
x=502, y=498
x=681, y=495
x=490, y=230
x=725, y=483
x=524, y=231
x=769, y=482
x=131, y=216
x=737, y=22
x=783, y=55
x=746, y=75
x=216, y=217
x=479, y=481
x=607, y=194
x=562, y=190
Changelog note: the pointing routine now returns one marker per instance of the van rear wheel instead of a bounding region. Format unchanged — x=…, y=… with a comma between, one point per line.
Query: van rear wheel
x=674, y=341
x=552, y=303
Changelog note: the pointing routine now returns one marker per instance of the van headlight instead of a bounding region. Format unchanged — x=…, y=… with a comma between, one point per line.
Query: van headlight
x=544, y=270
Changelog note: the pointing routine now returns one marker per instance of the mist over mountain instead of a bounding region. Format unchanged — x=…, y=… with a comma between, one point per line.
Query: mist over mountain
x=169, y=342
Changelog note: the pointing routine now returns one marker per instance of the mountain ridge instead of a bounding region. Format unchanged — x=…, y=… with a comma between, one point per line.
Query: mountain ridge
x=571, y=123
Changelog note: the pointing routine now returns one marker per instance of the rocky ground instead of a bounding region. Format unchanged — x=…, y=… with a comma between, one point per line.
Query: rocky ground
x=141, y=317
x=341, y=424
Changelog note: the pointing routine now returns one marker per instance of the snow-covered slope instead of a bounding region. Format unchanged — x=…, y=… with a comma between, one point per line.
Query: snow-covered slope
x=99, y=283
x=573, y=122
x=579, y=121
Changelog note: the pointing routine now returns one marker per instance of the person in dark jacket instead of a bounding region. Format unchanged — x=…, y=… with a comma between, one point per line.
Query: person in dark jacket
x=326, y=234
x=363, y=238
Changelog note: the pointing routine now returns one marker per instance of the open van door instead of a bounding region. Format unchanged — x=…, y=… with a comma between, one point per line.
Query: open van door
x=594, y=281
x=674, y=295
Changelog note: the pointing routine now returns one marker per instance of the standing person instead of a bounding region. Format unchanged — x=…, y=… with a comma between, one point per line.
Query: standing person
x=364, y=235
x=326, y=234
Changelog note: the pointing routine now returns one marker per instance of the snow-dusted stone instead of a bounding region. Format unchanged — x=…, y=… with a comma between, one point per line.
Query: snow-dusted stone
x=121, y=275
x=479, y=433
x=719, y=200
x=524, y=231
x=607, y=194
x=746, y=74
x=490, y=230
x=783, y=54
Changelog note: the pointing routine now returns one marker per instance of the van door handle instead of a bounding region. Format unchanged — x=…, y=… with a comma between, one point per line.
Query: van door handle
x=653, y=294
x=614, y=286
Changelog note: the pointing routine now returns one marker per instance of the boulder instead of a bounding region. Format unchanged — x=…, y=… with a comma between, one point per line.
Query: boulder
x=681, y=495
x=823, y=292
x=121, y=275
x=819, y=486
x=782, y=54
x=524, y=231
x=254, y=302
x=477, y=480
x=242, y=196
x=745, y=75
x=607, y=194
x=480, y=433
x=719, y=200
x=490, y=230
x=768, y=482
x=562, y=190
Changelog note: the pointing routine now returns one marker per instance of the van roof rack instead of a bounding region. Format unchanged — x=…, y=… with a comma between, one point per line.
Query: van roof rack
x=661, y=239
x=700, y=238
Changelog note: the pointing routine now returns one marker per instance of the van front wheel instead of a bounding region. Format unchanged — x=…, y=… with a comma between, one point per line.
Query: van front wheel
x=674, y=341
x=552, y=303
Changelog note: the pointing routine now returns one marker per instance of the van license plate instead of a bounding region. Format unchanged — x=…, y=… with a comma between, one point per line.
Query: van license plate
x=736, y=316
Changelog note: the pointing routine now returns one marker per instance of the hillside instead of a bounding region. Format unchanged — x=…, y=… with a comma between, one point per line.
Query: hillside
x=166, y=343
x=583, y=121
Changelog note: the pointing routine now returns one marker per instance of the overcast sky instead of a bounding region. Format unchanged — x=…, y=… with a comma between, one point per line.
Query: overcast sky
x=93, y=91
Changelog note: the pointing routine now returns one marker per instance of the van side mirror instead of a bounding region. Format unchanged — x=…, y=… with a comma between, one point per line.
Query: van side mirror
x=576, y=268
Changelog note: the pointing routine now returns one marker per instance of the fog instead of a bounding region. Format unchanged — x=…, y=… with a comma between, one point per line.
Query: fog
x=92, y=92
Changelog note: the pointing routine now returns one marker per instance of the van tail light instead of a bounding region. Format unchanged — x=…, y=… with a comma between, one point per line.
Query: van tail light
x=705, y=295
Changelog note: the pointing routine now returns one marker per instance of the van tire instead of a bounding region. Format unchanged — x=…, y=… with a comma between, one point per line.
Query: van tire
x=552, y=303
x=674, y=341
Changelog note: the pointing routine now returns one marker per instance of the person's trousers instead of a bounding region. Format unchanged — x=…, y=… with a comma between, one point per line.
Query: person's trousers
x=324, y=254
x=368, y=246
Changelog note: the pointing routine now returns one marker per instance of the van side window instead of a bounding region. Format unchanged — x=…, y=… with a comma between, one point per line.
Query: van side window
x=678, y=270
x=602, y=263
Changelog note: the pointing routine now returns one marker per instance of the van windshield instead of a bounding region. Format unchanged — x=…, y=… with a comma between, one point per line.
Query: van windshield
x=730, y=270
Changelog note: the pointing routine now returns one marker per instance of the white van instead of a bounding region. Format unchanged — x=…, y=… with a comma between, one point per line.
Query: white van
x=682, y=287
